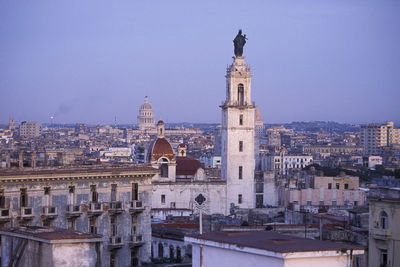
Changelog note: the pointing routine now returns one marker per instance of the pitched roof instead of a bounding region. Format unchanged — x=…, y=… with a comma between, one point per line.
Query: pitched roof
x=186, y=166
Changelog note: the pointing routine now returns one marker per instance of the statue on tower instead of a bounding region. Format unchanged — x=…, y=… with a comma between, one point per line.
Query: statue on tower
x=239, y=42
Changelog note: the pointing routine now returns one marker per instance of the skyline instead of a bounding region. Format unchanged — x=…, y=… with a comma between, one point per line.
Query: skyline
x=97, y=60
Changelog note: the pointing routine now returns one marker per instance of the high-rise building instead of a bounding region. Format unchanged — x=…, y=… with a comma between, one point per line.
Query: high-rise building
x=259, y=124
x=11, y=124
x=146, y=119
x=30, y=129
x=375, y=137
x=238, y=162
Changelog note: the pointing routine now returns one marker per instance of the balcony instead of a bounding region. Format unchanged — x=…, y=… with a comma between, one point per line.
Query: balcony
x=136, y=206
x=49, y=212
x=381, y=234
x=115, y=207
x=115, y=242
x=136, y=241
x=95, y=209
x=5, y=215
x=26, y=213
x=73, y=211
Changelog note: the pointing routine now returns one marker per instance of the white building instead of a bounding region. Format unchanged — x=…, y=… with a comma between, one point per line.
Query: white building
x=375, y=137
x=237, y=155
x=262, y=248
x=146, y=119
x=283, y=163
x=30, y=129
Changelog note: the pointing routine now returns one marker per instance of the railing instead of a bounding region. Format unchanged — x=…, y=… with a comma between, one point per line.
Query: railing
x=26, y=212
x=4, y=214
x=49, y=210
x=95, y=207
x=378, y=233
x=115, y=241
x=136, y=206
x=116, y=205
x=136, y=240
x=74, y=209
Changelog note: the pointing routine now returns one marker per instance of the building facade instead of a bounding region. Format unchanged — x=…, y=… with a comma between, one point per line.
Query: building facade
x=374, y=138
x=237, y=137
x=111, y=201
x=30, y=129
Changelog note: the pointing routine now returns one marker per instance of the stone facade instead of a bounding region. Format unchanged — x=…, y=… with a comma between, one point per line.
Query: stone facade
x=111, y=201
x=237, y=137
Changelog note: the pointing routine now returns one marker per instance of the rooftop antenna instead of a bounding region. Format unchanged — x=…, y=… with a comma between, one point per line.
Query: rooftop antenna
x=115, y=122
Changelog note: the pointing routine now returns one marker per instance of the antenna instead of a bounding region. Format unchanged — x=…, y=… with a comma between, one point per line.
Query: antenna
x=115, y=122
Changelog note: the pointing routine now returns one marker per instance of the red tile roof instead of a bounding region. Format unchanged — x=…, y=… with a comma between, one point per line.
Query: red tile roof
x=186, y=166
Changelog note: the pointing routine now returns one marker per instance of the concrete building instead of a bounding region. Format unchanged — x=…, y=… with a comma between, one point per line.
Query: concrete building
x=262, y=248
x=384, y=229
x=274, y=135
x=145, y=118
x=112, y=201
x=237, y=137
x=30, y=129
x=375, y=137
x=259, y=124
x=31, y=246
x=11, y=124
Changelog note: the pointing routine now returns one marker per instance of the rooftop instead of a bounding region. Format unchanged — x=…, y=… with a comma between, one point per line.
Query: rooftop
x=50, y=234
x=275, y=242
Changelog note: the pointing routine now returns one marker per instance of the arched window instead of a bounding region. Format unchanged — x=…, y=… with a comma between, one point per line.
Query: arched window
x=160, y=250
x=241, y=94
x=383, y=219
x=164, y=168
x=171, y=251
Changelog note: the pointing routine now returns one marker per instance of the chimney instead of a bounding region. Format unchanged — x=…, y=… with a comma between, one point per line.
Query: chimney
x=34, y=159
x=21, y=159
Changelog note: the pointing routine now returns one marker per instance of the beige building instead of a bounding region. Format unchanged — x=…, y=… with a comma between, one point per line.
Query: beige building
x=340, y=182
x=30, y=129
x=384, y=227
x=375, y=137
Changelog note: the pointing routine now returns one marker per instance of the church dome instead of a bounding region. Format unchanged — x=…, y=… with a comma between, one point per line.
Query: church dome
x=160, y=148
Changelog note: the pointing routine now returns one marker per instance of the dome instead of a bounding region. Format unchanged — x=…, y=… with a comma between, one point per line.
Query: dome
x=160, y=148
x=146, y=105
x=160, y=122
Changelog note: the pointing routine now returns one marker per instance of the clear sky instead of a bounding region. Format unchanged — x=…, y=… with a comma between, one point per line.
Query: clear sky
x=89, y=61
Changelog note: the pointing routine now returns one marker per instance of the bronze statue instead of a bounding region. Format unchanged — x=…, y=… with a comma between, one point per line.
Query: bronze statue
x=239, y=42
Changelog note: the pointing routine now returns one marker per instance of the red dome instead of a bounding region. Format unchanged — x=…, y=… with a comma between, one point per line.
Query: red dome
x=161, y=148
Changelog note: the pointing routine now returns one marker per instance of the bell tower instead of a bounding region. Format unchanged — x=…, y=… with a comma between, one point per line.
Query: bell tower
x=237, y=136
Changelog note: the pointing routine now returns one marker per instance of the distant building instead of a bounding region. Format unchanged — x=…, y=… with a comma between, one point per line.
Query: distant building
x=11, y=124
x=262, y=248
x=259, y=127
x=375, y=137
x=274, y=135
x=283, y=163
x=30, y=129
x=384, y=230
x=145, y=118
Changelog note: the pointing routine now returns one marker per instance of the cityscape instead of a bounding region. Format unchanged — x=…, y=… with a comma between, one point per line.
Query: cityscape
x=227, y=171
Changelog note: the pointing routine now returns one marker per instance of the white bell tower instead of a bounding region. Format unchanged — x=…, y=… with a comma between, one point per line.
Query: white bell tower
x=237, y=137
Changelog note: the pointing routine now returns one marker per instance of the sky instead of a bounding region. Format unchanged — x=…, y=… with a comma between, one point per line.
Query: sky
x=95, y=60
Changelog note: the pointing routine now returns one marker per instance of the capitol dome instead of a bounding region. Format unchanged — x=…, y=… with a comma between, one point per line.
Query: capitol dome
x=146, y=116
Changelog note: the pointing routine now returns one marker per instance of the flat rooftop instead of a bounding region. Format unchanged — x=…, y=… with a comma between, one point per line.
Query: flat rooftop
x=77, y=169
x=50, y=234
x=275, y=242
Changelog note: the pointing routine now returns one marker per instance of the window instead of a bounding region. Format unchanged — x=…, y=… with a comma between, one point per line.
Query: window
x=2, y=199
x=330, y=186
x=383, y=219
x=93, y=193
x=171, y=252
x=355, y=203
x=309, y=203
x=178, y=254
x=240, y=172
x=134, y=256
x=240, y=198
x=321, y=202
x=333, y=202
x=346, y=186
x=135, y=191
x=23, y=198
x=240, y=94
x=114, y=226
x=113, y=258
x=113, y=192
x=383, y=258
x=240, y=146
x=92, y=225
x=164, y=170
x=241, y=119
x=160, y=250
x=162, y=199
x=337, y=186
